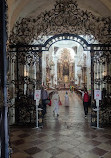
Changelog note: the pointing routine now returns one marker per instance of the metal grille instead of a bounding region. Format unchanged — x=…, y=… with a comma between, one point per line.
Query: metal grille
x=25, y=76
x=64, y=22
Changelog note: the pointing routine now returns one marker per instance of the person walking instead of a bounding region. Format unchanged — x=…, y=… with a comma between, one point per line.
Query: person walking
x=83, y=96
x=44, y=97
x=85, y=102
x=72, y=89
x=66, y=99
x=64, y=85
x=55, y=102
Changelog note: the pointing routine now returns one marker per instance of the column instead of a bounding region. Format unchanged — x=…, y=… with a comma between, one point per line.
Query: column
x=97, y=75
x=102, y=85
x=40, y=68
x=95, y=72
x=110, y=75
x=3, y=83
x=17, y=88
x=13, y=76
x=100, y=77
x=103, y=75
x=92, y=74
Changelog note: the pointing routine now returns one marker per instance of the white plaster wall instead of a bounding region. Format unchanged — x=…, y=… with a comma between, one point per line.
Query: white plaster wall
x=44, y=67
x=55, y=68
x=88, y=63
x=78, y=58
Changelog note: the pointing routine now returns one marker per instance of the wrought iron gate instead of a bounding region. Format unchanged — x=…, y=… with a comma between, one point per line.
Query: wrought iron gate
x=26, y=56
x=26, y=76
x=102, y=81
x=64, y=21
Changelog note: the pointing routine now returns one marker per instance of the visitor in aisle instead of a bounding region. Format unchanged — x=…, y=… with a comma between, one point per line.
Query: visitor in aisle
x=72, y=89
x=85, y=102
x=44, y=97
x=66, y=99
x=55, y=103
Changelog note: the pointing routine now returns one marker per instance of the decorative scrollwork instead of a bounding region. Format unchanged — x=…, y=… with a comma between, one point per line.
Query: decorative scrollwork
x=65, y=17
x=102, y=57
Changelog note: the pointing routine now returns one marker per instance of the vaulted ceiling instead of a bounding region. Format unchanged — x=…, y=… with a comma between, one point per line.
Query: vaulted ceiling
x=26, y=8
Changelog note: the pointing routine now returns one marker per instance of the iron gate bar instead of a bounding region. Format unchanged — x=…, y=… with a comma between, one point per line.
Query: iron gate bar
x=102, y=48
x=96, y=47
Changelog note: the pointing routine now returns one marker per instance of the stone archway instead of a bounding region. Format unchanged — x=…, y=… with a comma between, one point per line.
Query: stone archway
x=64, y=17
x=66, y=36
x=62, y=78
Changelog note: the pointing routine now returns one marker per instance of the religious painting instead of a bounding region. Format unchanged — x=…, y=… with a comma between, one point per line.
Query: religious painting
x=66, y=69
x=66, y=79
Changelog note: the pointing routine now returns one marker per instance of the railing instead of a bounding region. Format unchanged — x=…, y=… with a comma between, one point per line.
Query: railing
x=25, y=112
x=104, y=113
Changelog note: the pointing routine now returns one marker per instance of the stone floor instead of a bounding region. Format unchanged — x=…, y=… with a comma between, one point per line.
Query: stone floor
x=67, y=136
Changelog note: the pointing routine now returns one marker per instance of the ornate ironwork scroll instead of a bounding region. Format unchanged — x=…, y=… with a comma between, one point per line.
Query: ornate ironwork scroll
x=25, y=76
x=59, y=37
x=64, y=17
x=102, y=81
x=103, y=58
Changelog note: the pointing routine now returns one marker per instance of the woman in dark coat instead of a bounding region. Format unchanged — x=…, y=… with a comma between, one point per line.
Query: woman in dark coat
x=85, y=102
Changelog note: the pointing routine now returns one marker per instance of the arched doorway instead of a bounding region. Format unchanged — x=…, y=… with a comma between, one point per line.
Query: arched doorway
x=55, y=24
x=63, y=57
x=28, y=76
x=91, y=23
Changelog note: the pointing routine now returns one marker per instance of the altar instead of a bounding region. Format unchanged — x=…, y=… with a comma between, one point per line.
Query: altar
x=65, y=68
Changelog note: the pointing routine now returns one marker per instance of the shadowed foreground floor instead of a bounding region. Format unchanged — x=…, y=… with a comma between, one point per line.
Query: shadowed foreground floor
x=66, y=136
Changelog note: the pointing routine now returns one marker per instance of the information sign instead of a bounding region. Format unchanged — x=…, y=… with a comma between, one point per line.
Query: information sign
x=37, y=95
x=97, y=94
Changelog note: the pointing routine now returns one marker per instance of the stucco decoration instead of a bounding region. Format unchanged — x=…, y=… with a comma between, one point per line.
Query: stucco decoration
x=65, y=17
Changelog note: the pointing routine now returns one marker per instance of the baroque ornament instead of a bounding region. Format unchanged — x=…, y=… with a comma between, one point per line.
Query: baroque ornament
x=66, y=17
